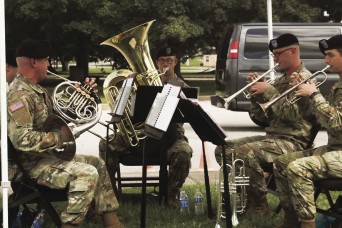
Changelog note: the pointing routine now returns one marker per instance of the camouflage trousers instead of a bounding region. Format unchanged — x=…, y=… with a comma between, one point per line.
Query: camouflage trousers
x=295, y=174
x=257, y=152
x=87, y=180
x=178, y=156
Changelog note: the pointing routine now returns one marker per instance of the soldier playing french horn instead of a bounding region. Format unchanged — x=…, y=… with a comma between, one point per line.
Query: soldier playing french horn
x=289, y=125
x=29, y=105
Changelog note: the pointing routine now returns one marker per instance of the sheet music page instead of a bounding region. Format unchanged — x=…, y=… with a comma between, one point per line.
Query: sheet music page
x=133, y=99
x=123, y=96
x=156, y=108
x=167, y=112
x=171, y=90
x=163, y=107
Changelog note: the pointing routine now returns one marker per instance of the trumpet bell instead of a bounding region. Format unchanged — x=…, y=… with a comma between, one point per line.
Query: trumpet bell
x=56, y=123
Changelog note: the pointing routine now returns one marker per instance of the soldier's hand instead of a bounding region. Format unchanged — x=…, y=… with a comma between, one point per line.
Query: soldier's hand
x=306, y=89
x=295, y=78
x=251, y=77
x=91, y=83
x=259, y=88
x=66, y=146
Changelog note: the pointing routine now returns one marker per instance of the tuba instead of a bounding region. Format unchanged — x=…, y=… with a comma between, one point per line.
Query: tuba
x=133, y=45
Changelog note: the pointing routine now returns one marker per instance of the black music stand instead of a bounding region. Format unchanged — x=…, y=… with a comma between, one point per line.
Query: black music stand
x=145, y=96
x=208, y=130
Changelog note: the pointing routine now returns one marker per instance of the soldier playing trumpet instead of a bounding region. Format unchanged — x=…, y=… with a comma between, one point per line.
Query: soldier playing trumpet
x=289, y=125
x=296, y=172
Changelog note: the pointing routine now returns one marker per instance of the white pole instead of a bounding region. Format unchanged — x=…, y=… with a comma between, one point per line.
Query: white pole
x=270, y=34
x=4, y=162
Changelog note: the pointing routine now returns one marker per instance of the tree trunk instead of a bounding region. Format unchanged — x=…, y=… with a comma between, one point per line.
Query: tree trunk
x=82, y=55
x=64, y=64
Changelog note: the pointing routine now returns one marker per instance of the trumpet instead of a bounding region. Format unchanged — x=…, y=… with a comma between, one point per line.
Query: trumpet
x=286, y=94
x=237, y=189
x=244, y=90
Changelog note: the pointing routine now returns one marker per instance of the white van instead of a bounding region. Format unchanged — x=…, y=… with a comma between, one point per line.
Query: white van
x=243, y=48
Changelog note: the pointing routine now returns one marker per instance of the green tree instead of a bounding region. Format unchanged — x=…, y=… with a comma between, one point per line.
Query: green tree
x=76, y=28
x=71, y=26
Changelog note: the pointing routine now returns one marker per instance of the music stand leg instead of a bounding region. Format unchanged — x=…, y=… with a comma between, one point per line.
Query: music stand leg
x=207, y=184
x=107, y=145
x=163, y=176
x=143, y=190
x=226, y=190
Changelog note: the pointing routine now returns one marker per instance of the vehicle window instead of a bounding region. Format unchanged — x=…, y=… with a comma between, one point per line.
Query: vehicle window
x=256, y=41
x=224, y=42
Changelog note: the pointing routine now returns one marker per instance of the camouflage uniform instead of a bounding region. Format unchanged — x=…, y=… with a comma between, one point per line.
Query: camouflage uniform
x=13, y=170
x=296, y=172
x=85, y=176
x=288, y=131
x=178, y=150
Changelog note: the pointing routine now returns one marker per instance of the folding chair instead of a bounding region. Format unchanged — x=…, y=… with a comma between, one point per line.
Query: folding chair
x=325, y=186
x=134, y=158
x=26, y=191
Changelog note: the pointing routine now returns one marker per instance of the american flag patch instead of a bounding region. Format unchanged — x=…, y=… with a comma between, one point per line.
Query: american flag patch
x=17, y=105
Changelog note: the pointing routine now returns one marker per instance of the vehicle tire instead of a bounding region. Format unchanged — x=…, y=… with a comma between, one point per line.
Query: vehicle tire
x=257, y=122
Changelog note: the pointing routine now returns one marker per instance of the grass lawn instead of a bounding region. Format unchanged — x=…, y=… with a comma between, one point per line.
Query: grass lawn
x=160, y=216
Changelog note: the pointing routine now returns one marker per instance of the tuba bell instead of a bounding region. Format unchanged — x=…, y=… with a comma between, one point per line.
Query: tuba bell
x=133, y=45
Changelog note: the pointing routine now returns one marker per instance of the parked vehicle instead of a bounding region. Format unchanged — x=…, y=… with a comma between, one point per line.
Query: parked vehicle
x=243, y=49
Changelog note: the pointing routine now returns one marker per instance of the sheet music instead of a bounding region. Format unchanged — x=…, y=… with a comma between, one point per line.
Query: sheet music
x=124, y=93
x=133, y=99
x=171, y=90
x=163, y=107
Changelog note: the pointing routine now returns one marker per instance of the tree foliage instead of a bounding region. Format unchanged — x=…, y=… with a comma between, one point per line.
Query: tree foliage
x=75, y=28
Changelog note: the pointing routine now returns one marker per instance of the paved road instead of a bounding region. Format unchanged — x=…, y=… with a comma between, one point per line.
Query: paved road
x=236, y=125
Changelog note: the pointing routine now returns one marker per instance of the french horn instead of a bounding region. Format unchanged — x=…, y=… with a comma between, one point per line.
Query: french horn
x=79, y=109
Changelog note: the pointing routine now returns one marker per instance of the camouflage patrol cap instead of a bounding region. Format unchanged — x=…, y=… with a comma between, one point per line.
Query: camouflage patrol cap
x=284, y=40
x=166, y=51
x=334, y=42
x=37, y=49
x=10, y=57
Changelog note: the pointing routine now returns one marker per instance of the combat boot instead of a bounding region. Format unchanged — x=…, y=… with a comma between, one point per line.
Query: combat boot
x=172, y=201
x=258, y=206
x=311, y=224
x=262, y=207
x=290, y=220
x=111, y=220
